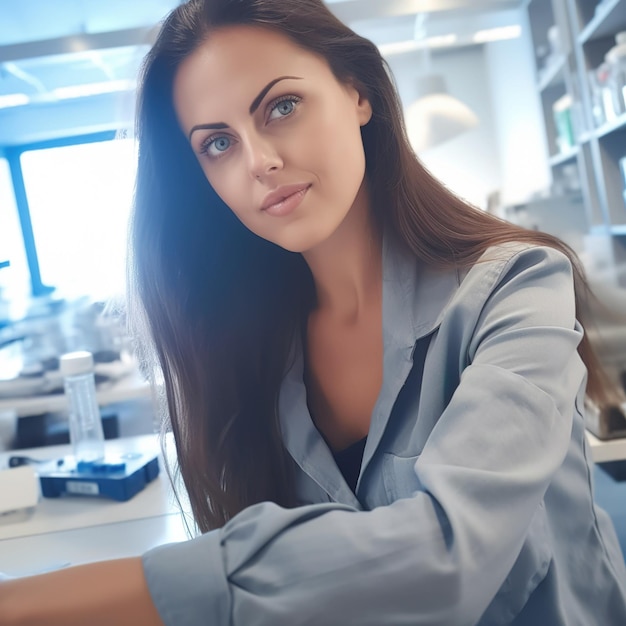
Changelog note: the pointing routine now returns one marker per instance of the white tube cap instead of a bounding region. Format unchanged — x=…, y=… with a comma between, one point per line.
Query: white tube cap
x=75, y=363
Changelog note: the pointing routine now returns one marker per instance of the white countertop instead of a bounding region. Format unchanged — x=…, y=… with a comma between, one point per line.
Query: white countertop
x=67, y=513
x=36, y=554
x=73, y=530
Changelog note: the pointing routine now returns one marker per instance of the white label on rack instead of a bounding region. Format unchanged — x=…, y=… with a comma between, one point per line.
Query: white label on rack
x=82, y=488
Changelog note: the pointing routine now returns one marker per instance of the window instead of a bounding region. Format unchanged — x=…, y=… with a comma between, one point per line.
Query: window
x=14, y=280
x=79, y=199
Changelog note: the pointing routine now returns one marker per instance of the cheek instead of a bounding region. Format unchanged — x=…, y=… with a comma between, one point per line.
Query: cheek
x=230, y=187
x=339, y=152
x=227, y=187
x=343, y=129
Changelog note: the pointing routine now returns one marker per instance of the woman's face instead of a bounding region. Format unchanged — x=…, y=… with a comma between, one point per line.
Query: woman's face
x=278, y=137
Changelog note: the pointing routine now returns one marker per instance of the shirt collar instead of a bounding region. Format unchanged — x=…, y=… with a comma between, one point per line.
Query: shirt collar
x=414, y=295
x=414, y=301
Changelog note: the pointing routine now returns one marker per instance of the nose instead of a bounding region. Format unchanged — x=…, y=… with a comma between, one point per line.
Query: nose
x=263, y=157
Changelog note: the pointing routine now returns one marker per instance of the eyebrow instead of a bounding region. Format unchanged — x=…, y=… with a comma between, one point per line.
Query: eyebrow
x=253, y=107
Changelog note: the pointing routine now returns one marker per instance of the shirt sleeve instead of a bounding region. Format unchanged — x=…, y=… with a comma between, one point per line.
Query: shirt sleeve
x=438, y=557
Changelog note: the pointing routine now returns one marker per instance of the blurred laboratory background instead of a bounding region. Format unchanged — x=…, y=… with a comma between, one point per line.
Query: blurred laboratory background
x=517, y=105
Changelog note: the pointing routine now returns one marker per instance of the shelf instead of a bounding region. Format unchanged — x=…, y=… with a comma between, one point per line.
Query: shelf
x=549, y=74
x=564, y=157
x=611, y=127
x=586, y=34
x=609, y=19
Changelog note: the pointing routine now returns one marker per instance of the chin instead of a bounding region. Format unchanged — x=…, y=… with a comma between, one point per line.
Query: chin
x=306, y=240
x=299, y=247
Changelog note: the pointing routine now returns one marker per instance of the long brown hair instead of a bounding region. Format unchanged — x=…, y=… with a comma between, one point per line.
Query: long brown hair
x=221, y=305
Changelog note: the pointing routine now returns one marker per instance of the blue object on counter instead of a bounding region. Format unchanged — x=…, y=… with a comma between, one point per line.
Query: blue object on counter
x=100, y=467
x=118, y=478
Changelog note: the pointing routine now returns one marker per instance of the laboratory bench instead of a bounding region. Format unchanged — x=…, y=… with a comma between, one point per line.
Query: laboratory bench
x=76, y=530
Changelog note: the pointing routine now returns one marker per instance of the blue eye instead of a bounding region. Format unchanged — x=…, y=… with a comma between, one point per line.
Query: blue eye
x=221, y=144
x=283, y=107
x=216, y=146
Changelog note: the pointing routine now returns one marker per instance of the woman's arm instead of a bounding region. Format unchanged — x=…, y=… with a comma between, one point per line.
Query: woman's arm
x=107, y=593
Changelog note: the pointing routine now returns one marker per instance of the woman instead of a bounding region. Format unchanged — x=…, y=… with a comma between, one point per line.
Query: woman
x=376, y=391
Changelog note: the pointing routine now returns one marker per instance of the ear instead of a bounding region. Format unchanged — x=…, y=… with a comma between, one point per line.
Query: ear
x=362, y=103
x=364, y=110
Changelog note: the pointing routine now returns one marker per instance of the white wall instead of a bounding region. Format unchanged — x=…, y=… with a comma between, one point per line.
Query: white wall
x=507, y=152
x=517, y=120
x=468, y=164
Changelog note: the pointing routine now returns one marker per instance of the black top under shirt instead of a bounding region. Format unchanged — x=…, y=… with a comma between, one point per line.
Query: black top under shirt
x=349, y=462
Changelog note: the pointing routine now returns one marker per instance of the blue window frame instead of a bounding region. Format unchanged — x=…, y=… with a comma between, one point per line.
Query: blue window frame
x=73, y=197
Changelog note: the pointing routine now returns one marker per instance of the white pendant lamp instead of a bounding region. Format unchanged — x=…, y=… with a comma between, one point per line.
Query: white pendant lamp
x=436, y=117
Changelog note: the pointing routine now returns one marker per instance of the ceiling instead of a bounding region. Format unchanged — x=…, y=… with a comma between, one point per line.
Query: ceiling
x=50, y=51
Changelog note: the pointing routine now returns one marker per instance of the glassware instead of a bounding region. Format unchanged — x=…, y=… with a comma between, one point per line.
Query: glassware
x=85, y=423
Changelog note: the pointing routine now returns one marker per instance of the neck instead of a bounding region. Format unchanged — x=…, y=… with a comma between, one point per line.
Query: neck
x=347, y=267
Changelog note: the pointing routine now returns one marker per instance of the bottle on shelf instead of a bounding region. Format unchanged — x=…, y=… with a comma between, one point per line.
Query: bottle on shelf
x=86, y=434
x=562, y=111
x=616, y=60
x=554, y=41
x=548, y=55
x=597, y=80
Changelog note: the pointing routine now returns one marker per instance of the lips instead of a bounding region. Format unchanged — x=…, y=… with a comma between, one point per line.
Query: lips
x=279, y=195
